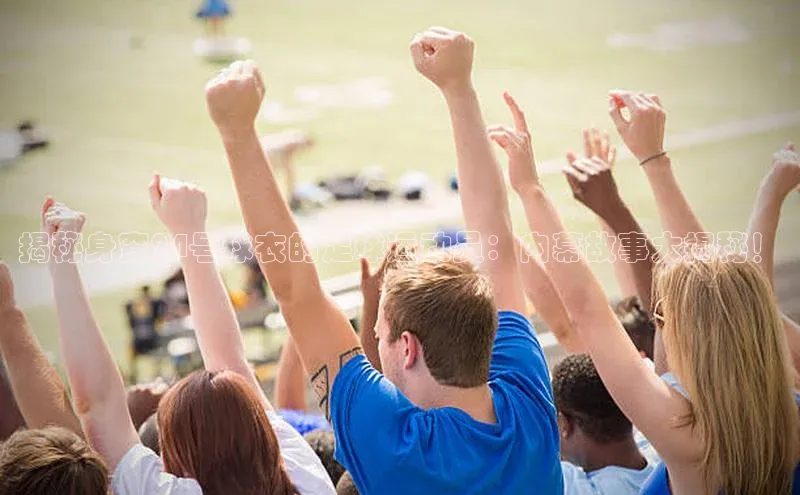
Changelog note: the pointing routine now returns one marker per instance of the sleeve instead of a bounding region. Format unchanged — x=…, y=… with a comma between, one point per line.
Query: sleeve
x=517, y=354
x=302, y=464
x=372, y=422
x=140, y=472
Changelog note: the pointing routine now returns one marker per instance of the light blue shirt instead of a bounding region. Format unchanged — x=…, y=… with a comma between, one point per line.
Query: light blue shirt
x=611, y=480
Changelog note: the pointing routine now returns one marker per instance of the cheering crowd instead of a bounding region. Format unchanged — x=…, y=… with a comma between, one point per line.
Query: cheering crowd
x=686, y=388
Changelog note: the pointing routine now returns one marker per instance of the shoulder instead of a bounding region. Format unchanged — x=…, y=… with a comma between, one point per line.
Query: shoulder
x=302, y=464
x=141, y=472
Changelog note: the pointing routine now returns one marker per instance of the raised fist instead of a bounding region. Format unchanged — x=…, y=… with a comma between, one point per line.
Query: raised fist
x=180, y=206
x=517, y=145
x=784, y=176
x=63, y=226
x=234, y=97
x=443, y=56
x=643, y=132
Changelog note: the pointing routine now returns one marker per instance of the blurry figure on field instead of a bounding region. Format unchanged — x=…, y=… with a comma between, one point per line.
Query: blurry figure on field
x=144, y=312
x=50, y=460
x=598, y=451
x=175, y=297
x=14, y=143
x=213, y=14
x=280, y=148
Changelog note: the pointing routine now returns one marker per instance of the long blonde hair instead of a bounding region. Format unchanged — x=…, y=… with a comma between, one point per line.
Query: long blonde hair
x=724, y=340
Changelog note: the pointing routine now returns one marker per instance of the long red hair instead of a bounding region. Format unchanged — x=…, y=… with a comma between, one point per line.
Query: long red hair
x=213, y=428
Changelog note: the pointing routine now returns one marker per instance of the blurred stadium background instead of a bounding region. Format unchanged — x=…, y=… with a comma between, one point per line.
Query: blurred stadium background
x=119, y=91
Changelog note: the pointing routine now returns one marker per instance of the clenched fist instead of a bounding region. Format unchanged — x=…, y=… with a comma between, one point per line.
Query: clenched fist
x=445, y=57
x=234, y=97
x=180, y=206
x=643, y=132
x=784, y=176
x=63, y=226
x=517, y=145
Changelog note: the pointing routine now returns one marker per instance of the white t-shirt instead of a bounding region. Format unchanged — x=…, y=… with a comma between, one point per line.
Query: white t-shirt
x=141, y=472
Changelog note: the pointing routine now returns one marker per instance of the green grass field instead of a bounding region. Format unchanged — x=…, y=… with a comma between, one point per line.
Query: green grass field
x=121, y=93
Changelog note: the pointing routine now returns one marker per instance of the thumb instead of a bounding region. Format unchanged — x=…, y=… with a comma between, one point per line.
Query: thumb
x=154, y=190
x=790, y=146
x=616, y=115
x=501, y=139
x=364, y=269
x=571, y=157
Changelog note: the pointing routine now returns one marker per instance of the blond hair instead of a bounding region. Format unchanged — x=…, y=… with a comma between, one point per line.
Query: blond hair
x=447, y=304
x=724, y=340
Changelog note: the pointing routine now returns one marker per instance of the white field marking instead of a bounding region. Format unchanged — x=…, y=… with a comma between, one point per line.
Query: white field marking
x=676, y=36
x=143, y=264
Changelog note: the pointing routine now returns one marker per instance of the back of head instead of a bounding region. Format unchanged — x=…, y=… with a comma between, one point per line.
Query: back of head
x=50, y=460
x=447, y=304
x=323, y=443
x=346, y=486
x=213, y=428
x=581, y=396
x=148, y=434
x=724, y=340
x=637, y=323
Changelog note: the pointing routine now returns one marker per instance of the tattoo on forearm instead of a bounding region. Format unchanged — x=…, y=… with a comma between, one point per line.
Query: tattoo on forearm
x=347, y=356
x=322, y=388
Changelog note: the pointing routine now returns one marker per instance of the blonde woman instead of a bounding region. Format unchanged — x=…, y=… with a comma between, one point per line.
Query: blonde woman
x=732, y=426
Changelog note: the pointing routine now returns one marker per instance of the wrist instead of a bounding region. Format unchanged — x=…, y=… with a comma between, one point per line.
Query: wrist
x=458, y=90
x=530, y=188
x=611, y=211
x=659, y=163
x=232, y=135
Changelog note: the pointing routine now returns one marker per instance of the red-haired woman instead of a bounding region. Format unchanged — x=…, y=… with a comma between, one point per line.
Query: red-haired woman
x=218, y=432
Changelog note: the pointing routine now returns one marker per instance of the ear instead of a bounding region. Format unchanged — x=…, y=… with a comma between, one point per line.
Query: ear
x=565, y=425
x=412, y=349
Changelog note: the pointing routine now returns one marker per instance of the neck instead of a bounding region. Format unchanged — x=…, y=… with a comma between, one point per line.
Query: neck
x=475, y=401
x=621, y=453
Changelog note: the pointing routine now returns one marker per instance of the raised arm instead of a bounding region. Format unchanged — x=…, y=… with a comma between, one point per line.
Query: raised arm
x=643, y=134
x=445, y=57
x=97, y=387
x=545, y=298
x=593, y=184
x=39, y=391
x=782, y=178
x=644, y=398
x=182, y=207
x=321, y=331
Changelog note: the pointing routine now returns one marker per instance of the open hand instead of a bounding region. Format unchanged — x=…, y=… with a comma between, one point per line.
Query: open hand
x=445, y=57
x=517, y=145
x=371, y=283
x=63, y=225
x=593, y=185
x=180, y=206
x=643, y=132
x=591, y=178
x=234, y=97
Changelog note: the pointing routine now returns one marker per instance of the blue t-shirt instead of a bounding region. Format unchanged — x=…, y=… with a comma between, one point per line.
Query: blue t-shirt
x=390, y=446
